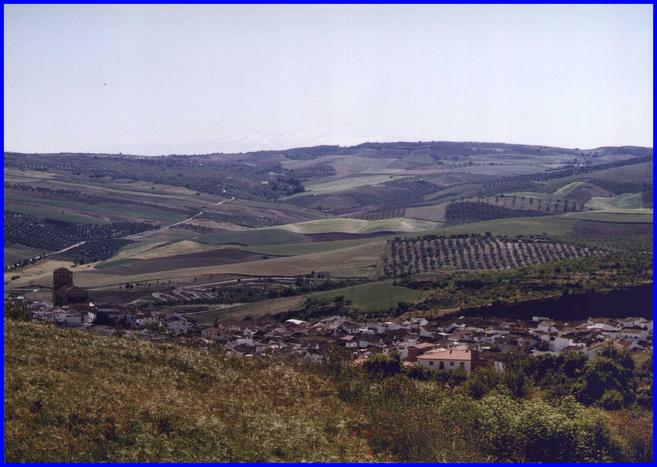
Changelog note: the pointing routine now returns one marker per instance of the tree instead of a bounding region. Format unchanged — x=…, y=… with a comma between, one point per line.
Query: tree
x=481, y=381
x=17, y=310
x=603, y=374
x=384, y=365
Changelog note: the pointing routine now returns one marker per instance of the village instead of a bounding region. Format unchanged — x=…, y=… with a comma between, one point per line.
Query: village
x=446, y=343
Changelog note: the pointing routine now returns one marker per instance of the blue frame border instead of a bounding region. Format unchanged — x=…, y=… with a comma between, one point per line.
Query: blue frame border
x=319, y=3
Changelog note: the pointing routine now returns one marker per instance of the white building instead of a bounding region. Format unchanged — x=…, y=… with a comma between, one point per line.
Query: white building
x=71, y=320
x=448, y=359
x=559, y=344
x=145, y=321
x=177, y=324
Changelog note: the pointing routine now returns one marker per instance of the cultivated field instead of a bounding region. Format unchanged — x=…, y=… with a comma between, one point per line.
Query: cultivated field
x=375, y=296
x=355, y=261
x=432, y=254
x=359, y=226
x=180, y=221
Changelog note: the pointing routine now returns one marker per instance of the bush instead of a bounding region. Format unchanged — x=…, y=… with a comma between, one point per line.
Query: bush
x=534, y=431
x=383, y=365
x=420, y=373
x=611, y=372
x=611, y=400
x=481, y=381
x=17, y=310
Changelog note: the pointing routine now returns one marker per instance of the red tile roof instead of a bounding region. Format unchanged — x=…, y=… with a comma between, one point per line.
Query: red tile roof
x=447, y=354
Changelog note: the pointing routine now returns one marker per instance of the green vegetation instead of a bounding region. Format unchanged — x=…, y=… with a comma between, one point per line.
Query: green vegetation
x=340, y=224
x=422, y=416
x=95, y=398
x=294, y=249
x=54, y=235
x=625, y=217
x=629, y=262
x=611, y=380
x=76, y=397
x=432, y=253
x=556, y=226
x=345, y=183
x=375, y=296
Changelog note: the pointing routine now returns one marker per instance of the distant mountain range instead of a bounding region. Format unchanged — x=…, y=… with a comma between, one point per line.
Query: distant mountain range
x=397, y=148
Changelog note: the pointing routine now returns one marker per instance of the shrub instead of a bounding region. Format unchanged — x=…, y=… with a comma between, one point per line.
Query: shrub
x=383, y=365
x=534, y=431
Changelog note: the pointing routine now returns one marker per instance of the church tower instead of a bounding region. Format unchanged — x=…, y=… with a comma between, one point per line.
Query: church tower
x=61, y=277
x=62, y=280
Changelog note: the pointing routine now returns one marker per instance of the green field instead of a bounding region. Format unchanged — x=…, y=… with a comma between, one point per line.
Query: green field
x=549, y=225
x=374, y=296
x=347, y=225
x=294, y=249
x=643, y=216
x=346, y=183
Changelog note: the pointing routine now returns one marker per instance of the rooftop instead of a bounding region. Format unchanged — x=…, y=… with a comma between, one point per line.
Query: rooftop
x=447, y=354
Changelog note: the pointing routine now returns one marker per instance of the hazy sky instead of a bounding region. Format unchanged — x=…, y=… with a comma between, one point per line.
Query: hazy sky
x=191, y=79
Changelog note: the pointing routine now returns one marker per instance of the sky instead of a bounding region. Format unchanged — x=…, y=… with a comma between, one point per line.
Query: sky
x=157, y=79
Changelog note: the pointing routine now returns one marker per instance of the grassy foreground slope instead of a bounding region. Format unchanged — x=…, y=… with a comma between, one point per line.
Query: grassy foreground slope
x=72, y=396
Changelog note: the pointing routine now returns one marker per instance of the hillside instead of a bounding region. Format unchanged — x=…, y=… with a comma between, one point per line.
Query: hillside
x=135, y=229
x=72, y=396
x=76, y=397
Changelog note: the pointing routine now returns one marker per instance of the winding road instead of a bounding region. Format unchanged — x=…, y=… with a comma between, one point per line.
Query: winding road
x=161, y=229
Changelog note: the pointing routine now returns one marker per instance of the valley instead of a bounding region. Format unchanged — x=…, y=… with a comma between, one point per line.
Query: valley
x=136, y=228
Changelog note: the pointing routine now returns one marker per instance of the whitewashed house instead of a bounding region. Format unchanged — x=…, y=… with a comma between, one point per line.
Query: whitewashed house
x=70, y=319
x=448, y=359
x=559, y=344
x=147, y=321
x=178, y=324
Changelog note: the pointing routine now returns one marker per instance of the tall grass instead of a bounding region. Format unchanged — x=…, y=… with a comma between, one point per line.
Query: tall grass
x=73, y=396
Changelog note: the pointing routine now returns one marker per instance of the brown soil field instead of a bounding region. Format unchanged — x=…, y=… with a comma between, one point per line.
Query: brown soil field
x=434, y=213
x=255, y=309
x=357, y=261
x=117, y=296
